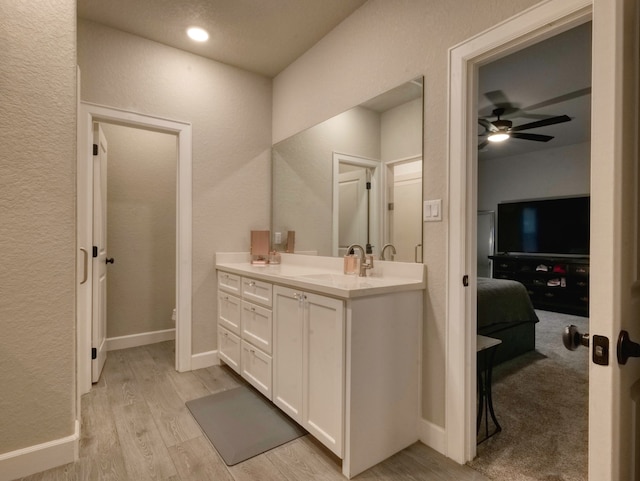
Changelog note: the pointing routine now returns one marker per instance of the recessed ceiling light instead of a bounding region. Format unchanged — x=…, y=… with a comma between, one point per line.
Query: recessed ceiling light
x=198, y=34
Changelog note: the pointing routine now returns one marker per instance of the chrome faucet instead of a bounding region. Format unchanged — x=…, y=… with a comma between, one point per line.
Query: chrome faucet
x=393, y=251
x=364, y=264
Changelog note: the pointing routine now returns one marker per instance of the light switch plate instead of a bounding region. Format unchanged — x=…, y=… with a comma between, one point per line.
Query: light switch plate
x=432, y=211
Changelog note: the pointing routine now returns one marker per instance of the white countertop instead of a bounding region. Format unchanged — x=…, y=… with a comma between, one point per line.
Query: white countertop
x=325, y=274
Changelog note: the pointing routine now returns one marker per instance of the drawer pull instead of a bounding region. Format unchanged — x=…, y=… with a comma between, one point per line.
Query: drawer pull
x=253, y=309
x=251, y=284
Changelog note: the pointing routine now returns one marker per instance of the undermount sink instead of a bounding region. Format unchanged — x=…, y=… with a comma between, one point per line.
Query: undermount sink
x=346, y=281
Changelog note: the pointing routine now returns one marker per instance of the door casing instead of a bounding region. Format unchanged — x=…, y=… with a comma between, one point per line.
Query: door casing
x=89, y=113
x=529, y=27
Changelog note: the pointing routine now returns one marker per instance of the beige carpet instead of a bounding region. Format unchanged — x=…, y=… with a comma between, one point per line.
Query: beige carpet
x=541, y=402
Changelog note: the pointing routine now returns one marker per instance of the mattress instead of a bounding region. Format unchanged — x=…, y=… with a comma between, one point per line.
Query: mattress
x=503, y=302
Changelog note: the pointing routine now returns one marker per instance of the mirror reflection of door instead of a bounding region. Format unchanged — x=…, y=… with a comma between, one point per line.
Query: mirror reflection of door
x=404, y=207
x=353, y=207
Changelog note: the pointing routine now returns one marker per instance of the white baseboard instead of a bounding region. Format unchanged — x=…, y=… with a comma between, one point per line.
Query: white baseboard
x=204, y=359
x=142, y=339
x=433, y=436
x=34, y=459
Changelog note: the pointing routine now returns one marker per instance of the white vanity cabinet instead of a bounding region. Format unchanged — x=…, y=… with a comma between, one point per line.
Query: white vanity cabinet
x=245, y=328
x=341, y=355
x=309, y=369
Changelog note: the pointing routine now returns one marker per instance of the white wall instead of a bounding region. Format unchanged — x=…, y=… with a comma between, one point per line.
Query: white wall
x=557, y=172
x=401, y=131
x=230, y=110
x=383, y=44
x=141, y=230
x=37, y=222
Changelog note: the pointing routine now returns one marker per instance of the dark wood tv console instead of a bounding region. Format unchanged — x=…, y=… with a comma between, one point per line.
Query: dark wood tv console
x=559, y=284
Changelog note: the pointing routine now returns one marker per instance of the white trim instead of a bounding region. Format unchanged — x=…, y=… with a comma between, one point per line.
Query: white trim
x=433, y=436
x=532, y=25
x=40, y=457
x=88, y=113
x=140, y=339
x=411, y=158
x=376, y=180
x=205, y=359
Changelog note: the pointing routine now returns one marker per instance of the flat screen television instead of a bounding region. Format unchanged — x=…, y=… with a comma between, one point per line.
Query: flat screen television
x=557, y=226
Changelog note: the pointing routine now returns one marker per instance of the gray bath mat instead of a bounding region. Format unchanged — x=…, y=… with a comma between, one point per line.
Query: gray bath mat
x=240, y=423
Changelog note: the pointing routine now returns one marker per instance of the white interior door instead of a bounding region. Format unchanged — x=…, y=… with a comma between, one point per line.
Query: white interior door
x=406, y=217
x=352, y=226
x=99, y=296
x=614, y=388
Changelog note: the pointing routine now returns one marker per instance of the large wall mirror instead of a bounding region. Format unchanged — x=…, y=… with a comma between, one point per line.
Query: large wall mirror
x=355, y=178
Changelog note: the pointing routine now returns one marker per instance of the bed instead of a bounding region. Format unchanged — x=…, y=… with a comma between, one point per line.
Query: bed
x=505, y=312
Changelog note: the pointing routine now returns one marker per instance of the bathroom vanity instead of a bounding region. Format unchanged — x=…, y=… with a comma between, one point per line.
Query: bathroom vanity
x=340, y=354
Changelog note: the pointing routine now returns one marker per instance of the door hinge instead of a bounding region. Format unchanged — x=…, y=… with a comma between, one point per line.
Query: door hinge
x=94, y=353
x=95, y=149
x=390, y=205
x=465, y=280
x=95, y=251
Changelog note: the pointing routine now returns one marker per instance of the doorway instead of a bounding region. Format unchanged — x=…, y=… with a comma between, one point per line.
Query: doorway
x=536, y=187
x=141, y=226
x=356, y=202
x=531, y=27
x=613, y=245
x=89, y=114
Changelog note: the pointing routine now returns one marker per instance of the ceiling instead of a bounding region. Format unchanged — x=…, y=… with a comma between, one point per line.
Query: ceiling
x=549, y=78
x=544, y=80
x=262, y=36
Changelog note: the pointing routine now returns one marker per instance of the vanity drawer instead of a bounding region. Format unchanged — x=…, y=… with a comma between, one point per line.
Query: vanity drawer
x=229, y=348
x=256, y=368
x=229, y=283
x=229, y=312
x=257, y=291
x=256, y=326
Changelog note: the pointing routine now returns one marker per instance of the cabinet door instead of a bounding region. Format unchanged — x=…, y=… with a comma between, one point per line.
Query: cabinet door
x=287, y=351
x=324, y=367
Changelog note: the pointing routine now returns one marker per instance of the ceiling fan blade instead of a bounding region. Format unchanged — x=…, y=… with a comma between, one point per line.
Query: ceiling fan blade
x=536, y=137
x=487, y=125
x=500, y=100
x=542, y=123
x=482, y=145
x=562, y=98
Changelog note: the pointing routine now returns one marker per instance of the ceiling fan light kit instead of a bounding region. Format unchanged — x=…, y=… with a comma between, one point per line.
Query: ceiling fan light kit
x=500, y=130
x=498, y=136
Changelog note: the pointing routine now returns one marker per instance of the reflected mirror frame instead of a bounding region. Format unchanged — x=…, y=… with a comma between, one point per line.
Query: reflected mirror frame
x=302, y=199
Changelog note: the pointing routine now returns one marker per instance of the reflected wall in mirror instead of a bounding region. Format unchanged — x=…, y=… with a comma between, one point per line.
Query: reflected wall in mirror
x=355, y=178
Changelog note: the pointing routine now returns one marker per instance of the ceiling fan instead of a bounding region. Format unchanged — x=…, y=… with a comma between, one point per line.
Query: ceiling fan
x=500, y=130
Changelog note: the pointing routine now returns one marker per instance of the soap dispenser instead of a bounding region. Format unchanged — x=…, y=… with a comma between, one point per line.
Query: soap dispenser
x=351, y=263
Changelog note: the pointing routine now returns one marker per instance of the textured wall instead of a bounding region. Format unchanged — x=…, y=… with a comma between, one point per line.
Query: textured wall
x=230, y=111
x=141, y=230
x=385, y=43
x=37, y=221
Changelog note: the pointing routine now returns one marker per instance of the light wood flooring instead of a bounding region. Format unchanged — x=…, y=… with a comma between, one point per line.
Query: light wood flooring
x=135, y=426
